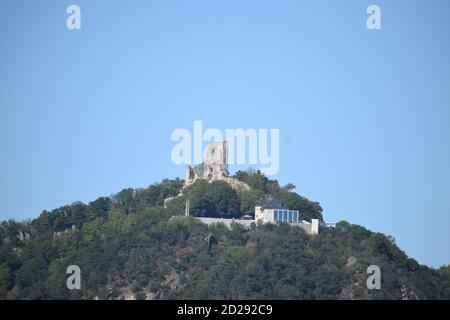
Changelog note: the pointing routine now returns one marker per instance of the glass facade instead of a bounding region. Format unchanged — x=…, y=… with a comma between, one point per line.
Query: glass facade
x=285, y=215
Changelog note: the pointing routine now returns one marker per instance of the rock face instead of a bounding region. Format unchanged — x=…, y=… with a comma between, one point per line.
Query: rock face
x=351, y=261
x=408, y=294
x=215, y=167
x=23, y=236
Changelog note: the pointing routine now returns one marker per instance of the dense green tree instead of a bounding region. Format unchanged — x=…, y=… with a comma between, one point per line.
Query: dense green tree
x=213, y=199
x=6, y=279
x=248, y=200
x=129, y=244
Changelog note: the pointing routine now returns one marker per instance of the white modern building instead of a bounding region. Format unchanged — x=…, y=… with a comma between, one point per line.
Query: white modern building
x=276, y=215
x=272, y=211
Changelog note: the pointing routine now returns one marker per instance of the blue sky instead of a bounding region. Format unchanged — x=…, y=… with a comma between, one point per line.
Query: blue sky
x=363, y=115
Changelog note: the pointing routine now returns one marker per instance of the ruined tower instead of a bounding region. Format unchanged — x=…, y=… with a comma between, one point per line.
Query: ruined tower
x=214, y=167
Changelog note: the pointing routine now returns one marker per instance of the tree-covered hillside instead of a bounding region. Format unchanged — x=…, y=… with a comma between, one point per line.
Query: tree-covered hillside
x=130, y=246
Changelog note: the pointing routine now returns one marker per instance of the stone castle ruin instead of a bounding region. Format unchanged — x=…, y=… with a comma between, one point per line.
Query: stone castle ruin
x=214, y=168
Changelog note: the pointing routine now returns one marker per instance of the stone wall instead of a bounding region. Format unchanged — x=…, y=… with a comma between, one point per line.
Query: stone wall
x=209, y=221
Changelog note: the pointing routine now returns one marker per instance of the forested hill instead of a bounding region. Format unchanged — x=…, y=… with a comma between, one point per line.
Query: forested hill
x=130, y=246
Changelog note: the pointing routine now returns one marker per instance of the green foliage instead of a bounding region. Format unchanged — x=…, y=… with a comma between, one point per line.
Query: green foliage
x=262, y=186
x=444, y=275
x=257, y=180
x=248, y=200
x=215, y=199
x=129, y=244
x=308, y=209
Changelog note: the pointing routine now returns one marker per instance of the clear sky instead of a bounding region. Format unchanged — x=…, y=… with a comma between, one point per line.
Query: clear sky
x=363, y=115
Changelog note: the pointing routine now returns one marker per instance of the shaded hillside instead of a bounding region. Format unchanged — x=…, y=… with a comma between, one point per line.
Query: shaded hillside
x=129, y=246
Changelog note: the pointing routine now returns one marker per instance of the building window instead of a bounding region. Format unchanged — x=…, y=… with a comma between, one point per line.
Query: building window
x=295, y=216
x=290, y=216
